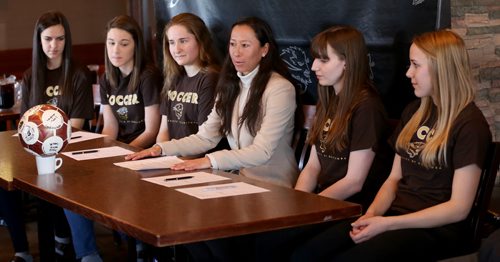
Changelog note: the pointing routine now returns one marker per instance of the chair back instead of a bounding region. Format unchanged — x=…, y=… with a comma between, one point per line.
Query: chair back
x=483, y=195
x=300, y=146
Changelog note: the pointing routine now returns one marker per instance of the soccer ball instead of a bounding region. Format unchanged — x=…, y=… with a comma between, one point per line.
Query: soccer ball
x=44, y=130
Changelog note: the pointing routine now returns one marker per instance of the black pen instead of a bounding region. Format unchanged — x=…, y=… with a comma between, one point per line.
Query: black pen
x=178, y=178
x=75, y=137
x=85, y=152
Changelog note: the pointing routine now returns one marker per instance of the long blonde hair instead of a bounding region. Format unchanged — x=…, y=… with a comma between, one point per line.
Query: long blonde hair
x=452, y=89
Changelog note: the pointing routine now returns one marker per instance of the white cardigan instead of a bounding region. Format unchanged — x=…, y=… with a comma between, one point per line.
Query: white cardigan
x=267, y=156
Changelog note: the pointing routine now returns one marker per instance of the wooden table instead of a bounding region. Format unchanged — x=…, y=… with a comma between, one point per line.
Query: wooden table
x=10, y=117
x=160, y=216
x=11, y=159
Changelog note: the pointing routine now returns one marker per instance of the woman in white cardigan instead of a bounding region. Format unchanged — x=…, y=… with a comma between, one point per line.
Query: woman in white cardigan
x=254, y=109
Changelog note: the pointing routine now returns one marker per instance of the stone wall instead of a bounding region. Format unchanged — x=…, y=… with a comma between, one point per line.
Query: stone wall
x=478, y=22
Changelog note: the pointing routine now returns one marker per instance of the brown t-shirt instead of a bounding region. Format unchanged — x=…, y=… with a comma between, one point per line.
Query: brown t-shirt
x=79, y=105
x=422, y=187
x=128, y=108
x=189, y=103
x=367, y=129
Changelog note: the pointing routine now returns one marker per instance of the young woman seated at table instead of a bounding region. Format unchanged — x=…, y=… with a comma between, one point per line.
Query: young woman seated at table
x=349, y=154
x=420, y=212
x=254, y=109
x=129, y=92
x=54, y=78
x=130, y=87
x=191, y=73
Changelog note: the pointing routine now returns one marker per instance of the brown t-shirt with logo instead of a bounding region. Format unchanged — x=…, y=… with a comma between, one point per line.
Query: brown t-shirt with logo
x=79, y=105
x=367, y=129
x=189, y=103
x=422, y=187
x=128, y=107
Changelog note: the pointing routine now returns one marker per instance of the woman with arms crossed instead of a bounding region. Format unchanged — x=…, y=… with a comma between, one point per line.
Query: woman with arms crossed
x=420, y=211
x=254, y=109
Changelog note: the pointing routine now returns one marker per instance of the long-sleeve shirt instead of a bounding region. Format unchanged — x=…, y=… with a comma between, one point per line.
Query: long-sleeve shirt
x=268, y=155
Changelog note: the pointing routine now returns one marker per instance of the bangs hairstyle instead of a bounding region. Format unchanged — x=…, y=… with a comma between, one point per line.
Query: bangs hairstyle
x=349, y=45
x=128, y=24
x=452, y=90
x=207, y=58
x=228, y=85
x=39, y=60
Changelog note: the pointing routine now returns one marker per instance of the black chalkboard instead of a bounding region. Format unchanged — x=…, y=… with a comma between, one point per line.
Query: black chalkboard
x=388, y=26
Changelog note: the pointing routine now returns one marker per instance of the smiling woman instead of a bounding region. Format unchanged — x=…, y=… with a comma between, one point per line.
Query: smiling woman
x=254, y=110
x=191, y=71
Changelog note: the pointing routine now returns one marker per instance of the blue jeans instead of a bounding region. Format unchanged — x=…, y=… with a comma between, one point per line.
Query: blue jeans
x=12, y=211
x=82, y=232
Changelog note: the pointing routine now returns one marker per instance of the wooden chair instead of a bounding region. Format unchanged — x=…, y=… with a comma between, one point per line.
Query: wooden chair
x=300, y=146
x=95, y=124
x=481, y=203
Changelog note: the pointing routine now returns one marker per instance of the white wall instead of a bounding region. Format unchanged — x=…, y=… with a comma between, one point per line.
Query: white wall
x=87, y=19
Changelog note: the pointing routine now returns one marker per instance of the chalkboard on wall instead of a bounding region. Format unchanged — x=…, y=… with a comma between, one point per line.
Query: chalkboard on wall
x=388, y=27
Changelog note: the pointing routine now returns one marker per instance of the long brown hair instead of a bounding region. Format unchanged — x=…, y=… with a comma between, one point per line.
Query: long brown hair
x=207, y=57
x=228, y=86
x=348, y=43
x=39, y=60
x=128, y=24
x=452, y=89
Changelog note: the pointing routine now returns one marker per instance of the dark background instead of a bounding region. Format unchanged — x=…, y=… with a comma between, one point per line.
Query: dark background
x=388, y=27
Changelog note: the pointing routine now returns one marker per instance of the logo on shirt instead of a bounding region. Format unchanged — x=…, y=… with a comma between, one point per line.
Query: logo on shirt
x=178, y=110
x=322, y=140
x=184, y=97
x=52, y=91
x=122, y=113
x=53, y=101
x=424, y=133
x=123, y=100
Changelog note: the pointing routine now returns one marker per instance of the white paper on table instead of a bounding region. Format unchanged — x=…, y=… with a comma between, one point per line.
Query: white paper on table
x=163, y=162
x=80, y=136
x=94, y=153
x=222, y=190
x=179, y=180
x=15, y=134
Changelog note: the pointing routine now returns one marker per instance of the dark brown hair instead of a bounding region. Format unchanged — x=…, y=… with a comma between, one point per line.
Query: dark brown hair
x=39, y=60
x=348, y=43
x=128, y=24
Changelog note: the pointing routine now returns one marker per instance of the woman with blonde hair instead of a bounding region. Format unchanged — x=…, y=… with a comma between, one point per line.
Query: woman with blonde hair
x=420, y=211
x=191, y=72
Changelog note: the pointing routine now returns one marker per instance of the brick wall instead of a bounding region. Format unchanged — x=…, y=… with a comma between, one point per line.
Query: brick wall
x=478, y=22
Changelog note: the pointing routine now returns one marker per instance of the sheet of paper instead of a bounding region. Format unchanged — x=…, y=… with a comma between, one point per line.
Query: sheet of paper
x=80, y=136
x=185, y=179
x=150, y=163
x=222, y=190
x=94, y=153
